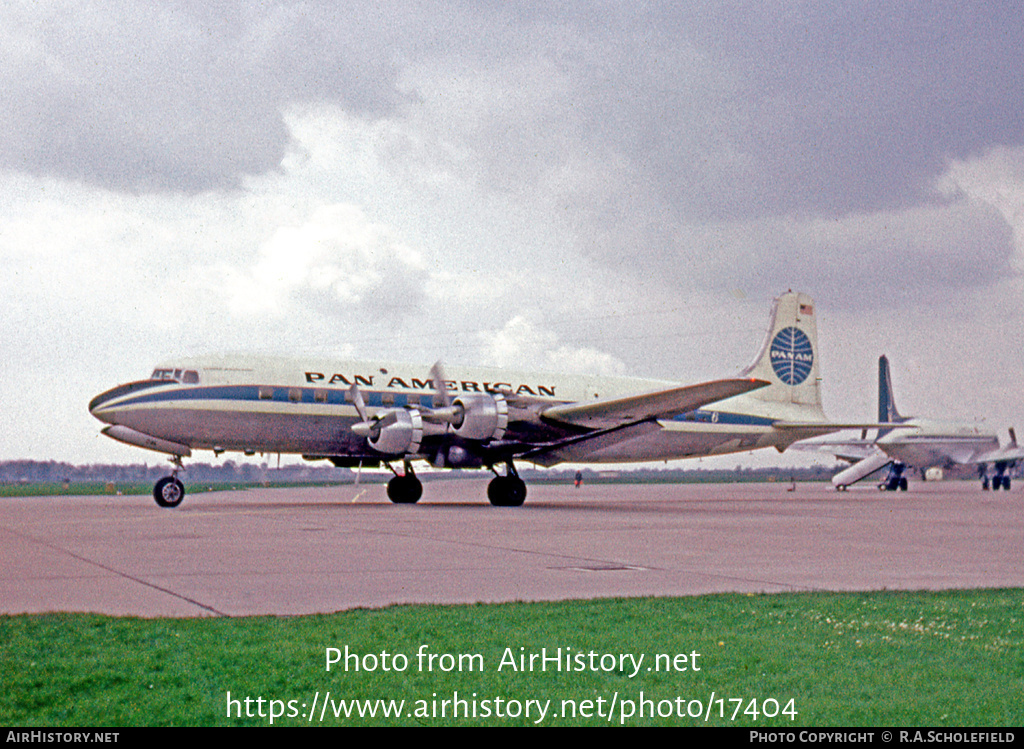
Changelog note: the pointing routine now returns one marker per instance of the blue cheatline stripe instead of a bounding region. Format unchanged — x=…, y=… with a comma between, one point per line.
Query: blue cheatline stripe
x=373, y=399
x=723, y=417
x=279, y=394
x=131, y=387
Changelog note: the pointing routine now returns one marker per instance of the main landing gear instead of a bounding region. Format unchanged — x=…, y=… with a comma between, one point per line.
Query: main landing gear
x=169, y=491
x=508, y=490
x=405, y=489
x=503, y=491
x=895, y=480
x=1001, y=479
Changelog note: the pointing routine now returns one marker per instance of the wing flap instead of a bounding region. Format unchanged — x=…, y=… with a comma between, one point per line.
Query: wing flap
x=1001, y=455
x=660, y=404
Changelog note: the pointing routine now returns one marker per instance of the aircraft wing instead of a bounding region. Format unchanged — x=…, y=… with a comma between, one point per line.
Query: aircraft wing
x=610, y=413
x=558, y=452
x=851, y=450
x=1000, y=455
x=613, y=420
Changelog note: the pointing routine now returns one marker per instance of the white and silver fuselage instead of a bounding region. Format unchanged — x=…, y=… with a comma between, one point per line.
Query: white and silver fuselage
x=272, y=405
x=929, y=442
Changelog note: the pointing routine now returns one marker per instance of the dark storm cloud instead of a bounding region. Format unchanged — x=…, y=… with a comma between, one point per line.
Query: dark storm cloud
x=734, y=110
x=176, y=96
x=720, y=110
x=758, y=145
x=898, y=259
x=858, y=106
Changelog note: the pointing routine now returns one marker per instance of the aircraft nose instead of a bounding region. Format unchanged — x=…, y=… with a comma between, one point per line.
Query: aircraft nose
x=96, y=404
x=106, y=404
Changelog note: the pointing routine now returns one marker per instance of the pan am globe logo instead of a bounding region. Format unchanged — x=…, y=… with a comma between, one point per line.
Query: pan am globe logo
x=792, y=355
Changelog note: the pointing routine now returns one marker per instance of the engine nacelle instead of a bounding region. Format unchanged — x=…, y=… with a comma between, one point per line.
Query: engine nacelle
x=483, y=417
x=397, y=431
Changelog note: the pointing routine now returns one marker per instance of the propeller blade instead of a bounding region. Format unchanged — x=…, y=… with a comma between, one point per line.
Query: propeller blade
x=440, y=387
x=357, y=400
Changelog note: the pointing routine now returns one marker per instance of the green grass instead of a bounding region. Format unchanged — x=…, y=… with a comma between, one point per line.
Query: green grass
x=933, y=659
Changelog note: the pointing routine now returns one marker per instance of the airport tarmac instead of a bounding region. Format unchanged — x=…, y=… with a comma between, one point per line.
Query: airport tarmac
x=309, y=550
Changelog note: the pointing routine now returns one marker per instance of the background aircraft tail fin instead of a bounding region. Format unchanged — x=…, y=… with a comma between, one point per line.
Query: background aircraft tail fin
x=788, y=357
x=886, y=400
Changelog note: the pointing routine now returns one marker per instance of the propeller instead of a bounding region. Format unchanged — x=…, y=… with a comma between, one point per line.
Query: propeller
x=446, y=413
x=367, y=426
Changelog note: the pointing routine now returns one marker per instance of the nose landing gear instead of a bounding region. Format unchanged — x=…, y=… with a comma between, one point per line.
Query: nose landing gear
x=169, y=491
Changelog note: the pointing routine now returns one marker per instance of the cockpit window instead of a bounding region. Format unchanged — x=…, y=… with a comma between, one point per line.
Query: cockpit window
x=186, y=376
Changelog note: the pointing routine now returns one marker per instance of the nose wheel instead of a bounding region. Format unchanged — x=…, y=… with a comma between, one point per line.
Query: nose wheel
x=169, y=492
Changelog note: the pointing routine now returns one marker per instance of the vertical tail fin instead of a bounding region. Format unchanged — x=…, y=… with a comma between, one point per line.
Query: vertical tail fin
x=788, y=357
x=886, y=400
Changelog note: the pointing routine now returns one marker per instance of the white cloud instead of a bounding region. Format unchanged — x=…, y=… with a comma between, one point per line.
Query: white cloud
x=522, y=345
x=336, y=261
x=995, y=179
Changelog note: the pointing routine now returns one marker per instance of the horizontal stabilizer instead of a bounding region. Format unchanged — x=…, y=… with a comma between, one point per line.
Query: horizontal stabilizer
x=827, y=427
x=660, y=404
x=852, y=450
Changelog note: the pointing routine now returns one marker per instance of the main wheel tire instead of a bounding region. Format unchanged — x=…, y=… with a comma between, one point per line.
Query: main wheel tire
x=405, y=490
x=169, y=492
x=506, y=491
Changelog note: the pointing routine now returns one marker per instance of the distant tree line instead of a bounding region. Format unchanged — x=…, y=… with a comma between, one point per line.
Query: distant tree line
x=36, y=471
x=51, y=471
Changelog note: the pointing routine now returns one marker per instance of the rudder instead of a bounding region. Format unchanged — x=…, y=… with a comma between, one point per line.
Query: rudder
x=788, y=357
x=886, y=401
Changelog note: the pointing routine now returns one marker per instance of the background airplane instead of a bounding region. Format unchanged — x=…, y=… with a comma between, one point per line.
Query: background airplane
x=920, y=443
x=373, y=413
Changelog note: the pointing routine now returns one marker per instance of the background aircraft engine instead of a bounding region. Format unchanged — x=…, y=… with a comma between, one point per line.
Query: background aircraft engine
x=481, y=417
x=397, y=432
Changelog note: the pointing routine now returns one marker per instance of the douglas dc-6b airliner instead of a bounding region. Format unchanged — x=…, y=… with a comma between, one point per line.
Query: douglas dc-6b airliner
x=372, y=413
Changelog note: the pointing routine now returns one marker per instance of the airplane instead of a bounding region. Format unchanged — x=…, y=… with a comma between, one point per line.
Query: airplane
x=921, y=443
x=357, y=414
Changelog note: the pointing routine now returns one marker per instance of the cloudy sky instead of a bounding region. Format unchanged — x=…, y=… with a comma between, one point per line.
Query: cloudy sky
x=601, y=187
